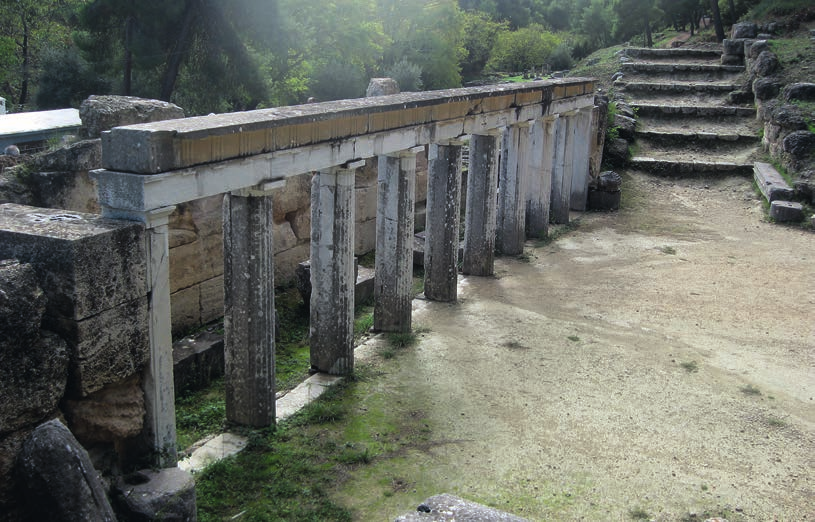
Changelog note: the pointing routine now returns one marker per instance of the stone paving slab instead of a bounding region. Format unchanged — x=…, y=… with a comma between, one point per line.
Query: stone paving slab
x=449, y=508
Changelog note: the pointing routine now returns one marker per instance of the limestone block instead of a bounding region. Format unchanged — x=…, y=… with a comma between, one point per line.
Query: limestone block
x=732, y=59
x=284, y=237
x=106, y=347
x=207, y=216
x=367, y=175
x=197, y=361
x=195, y=262
x=766, y=88
x=294, y=196
x=301, y=223
x=74, y=191
x=182, y=226
x=212, y=299
x=364, y=237
x=114, y=413
x=766, y=64
x=83, y=155
x=58, y=478
x=366, y=203
x=800, y=91
x=166, y=494
x=421, y=181
x=85, y=264
x=101, y=113
x=770, y=182
x=22, y=305
x=33, y=377
x=285, y=263
x=733, y=47
x=186, y=309
x=382, y=87
x=786, y=211
x=744, y=30
x=800, y=144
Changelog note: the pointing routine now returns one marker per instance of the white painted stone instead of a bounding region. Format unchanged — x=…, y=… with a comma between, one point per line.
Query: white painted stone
x=305, y=392
x=213, y=450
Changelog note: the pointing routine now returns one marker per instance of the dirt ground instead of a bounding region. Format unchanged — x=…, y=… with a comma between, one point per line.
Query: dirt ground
x=657, y=362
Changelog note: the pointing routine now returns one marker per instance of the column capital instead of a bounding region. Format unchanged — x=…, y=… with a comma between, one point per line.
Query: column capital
x=151, y=218
x=452, y=142
x=407, y=152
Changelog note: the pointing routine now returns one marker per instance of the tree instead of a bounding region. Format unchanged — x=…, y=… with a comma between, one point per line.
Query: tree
x=596, y=24
x=523, y=49
x=635, y=17
x=717, y=20
x=480, y=33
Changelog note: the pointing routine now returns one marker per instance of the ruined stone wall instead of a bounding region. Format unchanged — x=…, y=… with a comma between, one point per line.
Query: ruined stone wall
x=73, y=334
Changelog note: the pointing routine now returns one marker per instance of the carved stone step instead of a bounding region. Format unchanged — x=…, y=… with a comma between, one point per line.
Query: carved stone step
x=645, y=109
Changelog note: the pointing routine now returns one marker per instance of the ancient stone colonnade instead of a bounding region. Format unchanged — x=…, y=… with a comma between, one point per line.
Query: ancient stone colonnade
x=532, y=140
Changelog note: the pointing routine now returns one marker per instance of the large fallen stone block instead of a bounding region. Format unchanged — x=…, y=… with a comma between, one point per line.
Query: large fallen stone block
x=112, y=414
x=58, y=478
x=101, y=113
x=786, y=211
x=770, y=182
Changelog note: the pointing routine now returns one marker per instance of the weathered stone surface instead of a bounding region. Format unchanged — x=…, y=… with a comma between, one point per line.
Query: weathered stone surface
x=185, y=306
x=194, y=262
x=766, y=64
x=602, y=200
x=366, y=203
x=754, y=49
x=197, y=360
x=771, y=183
x=766, y=88
x=449, y=508
x=286, y=263
x=800, y=144
x=744, y=30
x=804, y=190
x=101, y=113
x=58, y=478
x=382, y=87
x=212, y=299
x=731, y=46
x=732, y=59
x=73, y=191
x=292, y=197
x=284, y=237
x=609, y=181
x=364, y=236
x=301, y=223
x=799, y=91
x=10, y=446
x=740, y=97
x=82, y=155
x=616, y=152
x=114, y=413
x=167, y=495
x=22, y=304
x=33, y=377
x=626, y=126
x=86, y=264
x=786, y=211
x=788, y=118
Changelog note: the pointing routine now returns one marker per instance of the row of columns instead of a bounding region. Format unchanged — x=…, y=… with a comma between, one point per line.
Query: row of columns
x=520, y=178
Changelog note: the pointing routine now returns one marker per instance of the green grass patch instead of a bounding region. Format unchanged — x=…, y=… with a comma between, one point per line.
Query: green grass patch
x=768, y=8
x=638, y=514
x=200, y=414
x=690, y=366
x=669, y=250
x=574, y=338
x=749, y=389
x=775, y=422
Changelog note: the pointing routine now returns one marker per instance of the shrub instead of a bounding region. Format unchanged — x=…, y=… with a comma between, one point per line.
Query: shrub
x=522, y=49
x=407, y=74
x=338, y=81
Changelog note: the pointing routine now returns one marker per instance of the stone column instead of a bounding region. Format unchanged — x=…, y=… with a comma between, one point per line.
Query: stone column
x=539, y=190
x=562, y=172
x=582, y=157
x=443, y=216
x=512, y=181
x=157, y=379
x=396, y=194
x=480, y=214
x=249, y=314
x=333, y=282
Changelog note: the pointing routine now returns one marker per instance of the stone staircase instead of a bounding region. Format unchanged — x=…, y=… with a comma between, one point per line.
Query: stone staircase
x=685, y=125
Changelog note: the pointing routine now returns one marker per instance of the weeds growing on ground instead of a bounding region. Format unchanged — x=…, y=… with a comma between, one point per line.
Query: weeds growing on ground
x=750, y=390
x=690, y=366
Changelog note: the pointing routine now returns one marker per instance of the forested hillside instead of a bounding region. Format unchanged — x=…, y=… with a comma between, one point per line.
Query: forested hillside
x=228, y=55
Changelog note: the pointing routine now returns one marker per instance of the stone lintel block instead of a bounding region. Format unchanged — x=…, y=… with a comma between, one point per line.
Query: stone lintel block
x=106, y=347
x=151, y=148
x=86, y=264
x=786, y=211
x=771, y=183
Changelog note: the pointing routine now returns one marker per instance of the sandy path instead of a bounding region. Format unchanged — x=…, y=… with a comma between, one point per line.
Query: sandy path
x=557, y=391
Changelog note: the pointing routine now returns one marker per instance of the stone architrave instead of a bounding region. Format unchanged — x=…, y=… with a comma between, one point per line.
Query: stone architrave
x=249, y=308
x=582, y=159
x=396, y=195
x=481, y=209
x=443, y=220
x=332, y=269
x=562, y=171
x=512, y=184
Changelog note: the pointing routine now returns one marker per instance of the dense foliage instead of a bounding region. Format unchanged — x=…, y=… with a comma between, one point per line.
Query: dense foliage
x=227, y=55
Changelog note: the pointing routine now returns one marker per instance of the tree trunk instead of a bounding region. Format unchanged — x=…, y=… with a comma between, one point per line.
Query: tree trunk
x=26, y=64
x=732, y=5
x=648, y=40
x=182, y=44
x=128, y=72
x=717, y=20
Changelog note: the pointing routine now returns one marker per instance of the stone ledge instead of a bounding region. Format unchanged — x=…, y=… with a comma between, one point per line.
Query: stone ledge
x=770, y=182
x=786, y=211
